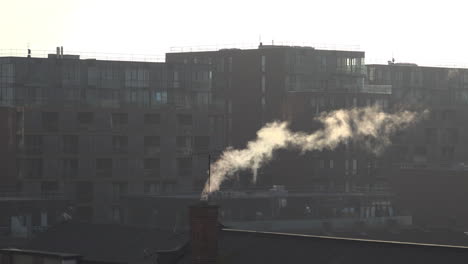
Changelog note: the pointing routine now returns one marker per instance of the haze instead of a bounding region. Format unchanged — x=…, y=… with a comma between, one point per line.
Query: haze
x=427, y=33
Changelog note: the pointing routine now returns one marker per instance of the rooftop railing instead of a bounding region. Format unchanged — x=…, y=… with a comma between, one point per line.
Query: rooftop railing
x=322, y=46
x=85, y=55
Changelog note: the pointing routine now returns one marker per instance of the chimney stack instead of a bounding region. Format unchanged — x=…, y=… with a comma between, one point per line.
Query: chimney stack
x=204, y=232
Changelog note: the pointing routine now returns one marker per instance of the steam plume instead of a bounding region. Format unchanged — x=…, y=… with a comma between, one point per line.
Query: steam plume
x=368, y=124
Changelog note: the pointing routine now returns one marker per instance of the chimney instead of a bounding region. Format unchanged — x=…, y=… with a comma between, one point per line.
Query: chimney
x=204, y=232
x=61, y=52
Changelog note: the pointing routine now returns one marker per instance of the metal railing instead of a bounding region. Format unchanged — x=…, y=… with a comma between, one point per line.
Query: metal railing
x=322, y=46
x=258, y=192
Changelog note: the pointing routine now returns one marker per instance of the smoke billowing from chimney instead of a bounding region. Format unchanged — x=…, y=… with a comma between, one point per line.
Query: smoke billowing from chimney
x=368, y=125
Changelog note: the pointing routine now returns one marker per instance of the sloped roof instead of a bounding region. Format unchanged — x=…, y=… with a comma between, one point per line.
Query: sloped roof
x=107, y=242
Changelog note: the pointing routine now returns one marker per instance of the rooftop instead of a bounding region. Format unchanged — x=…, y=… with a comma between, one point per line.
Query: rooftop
x=84, y=55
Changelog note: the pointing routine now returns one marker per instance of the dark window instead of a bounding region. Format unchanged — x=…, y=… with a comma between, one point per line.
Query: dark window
x=431, y=135
x=120, y=144
x=151, y=167
x=152, y=187
x=420, y=150
x=70, y=144
x=50, y=121
x=33, y=144
x=84, y=213
x=202, y=143
x=447, y=153
x=85, y=118
x=103, y=167
x=119, y=189
x=151, y=164
x=451, y=136
x=119, y=119
x=84, y=191
x=30, y=168
x=183, y=142
x=152, y=119
x=152, y=145
x=49, y=188
x=184, y=166
x=184, y=119
x=70, y=168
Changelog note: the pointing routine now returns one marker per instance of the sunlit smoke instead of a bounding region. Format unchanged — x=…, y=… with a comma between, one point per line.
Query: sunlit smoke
x=369, y=125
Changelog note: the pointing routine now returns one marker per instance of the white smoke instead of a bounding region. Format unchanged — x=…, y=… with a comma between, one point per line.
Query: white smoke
x=368, y=124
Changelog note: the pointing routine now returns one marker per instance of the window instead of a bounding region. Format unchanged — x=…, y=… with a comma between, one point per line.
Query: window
x=119, y=119
x=50, y=121
x=151, y=167
x=263, y=84
x=184, y=119
x=85, y=118
x=263, y=63
x=183, y=142
x=84, y=191
x=70, y=168
x=49, y=188
x=85, y=213
x=184, y=167
x=430, y=135
x=120, y=144
x=30, y=168
x=202, y=143
x=104, y=167
x=151, y=164
x=152, y=187
x=321, y=164
x=33, y=144
x=331, y=164
x=136, y=77
x=70, y=144
x=152, y=119
x=322, y=63
x=447, y=153
x=355, y=166
x=119, y=189
x=158, y=97
x=372, y=74
x=230, y=64
x=116, y=214
x=152, y=145
x=176, y=79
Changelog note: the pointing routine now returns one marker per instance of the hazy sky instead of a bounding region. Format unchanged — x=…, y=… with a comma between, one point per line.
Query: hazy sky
x=424, y=32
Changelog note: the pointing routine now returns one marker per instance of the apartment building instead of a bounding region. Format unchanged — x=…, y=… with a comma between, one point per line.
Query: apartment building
x=95, y=130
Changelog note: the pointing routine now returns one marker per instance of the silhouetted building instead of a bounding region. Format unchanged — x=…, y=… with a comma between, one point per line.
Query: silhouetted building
x=295, y=84
x=440, y=139
x=95, y=130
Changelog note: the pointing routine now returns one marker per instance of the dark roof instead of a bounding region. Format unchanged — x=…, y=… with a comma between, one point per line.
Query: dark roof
x=239, y=246
x=441, y=236
x=107, y=242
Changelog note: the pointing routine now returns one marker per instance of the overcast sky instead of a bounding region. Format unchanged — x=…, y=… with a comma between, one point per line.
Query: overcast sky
x=423, y=32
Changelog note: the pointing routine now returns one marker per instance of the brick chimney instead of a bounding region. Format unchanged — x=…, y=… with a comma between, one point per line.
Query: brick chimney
x=204, y=232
